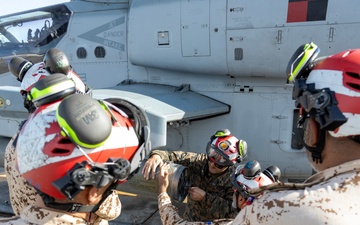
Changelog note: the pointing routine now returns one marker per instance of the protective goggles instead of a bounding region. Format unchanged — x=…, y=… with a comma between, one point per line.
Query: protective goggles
x=216, y=155
x=212, y=160
x=302, y=61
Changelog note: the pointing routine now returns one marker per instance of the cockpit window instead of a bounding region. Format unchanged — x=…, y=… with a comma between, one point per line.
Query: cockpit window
x=33, y=32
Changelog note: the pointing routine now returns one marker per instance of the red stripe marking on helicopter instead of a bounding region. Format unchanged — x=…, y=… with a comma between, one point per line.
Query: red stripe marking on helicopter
x=306, y=10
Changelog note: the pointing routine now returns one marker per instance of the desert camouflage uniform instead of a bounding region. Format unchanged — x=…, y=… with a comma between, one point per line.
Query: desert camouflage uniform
x=23, y=195
x=169, y=214
x=219, y=192
x=32, y=215
x=329, y=197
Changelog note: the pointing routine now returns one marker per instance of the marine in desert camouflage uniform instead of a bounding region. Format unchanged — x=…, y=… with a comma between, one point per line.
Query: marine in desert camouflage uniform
x=327, y=91
x=211, y=193
x=325, y=198
x=78, y=207
x=169, y=214
x=21, y=194
x=110, y=209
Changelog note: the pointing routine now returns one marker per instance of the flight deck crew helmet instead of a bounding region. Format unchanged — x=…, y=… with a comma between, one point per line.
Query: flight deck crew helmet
x=37, y=91
x=224, y=149
x=250, y=176
x=67, y=146
x=28, y=79
x=330, y=94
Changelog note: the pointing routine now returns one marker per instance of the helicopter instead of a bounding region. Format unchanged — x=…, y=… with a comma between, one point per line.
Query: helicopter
x=192, y=66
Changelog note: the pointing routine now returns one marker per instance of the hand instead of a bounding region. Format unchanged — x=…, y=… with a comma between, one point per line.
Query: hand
x=163, y=177
x=196, y=194
x=241, y=202
x=150, y=166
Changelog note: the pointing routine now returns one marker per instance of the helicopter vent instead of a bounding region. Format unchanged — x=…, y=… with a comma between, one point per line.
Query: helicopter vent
x=81, y=53
x=238, y=53
x=100, y=52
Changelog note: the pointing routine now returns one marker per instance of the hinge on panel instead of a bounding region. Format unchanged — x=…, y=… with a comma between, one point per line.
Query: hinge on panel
x=244, y=89
x=279, y=37
x=331, y=34
x=277, y=142
x=279, y=117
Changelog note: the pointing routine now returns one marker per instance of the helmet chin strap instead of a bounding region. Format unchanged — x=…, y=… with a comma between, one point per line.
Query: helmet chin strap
x=317, y=150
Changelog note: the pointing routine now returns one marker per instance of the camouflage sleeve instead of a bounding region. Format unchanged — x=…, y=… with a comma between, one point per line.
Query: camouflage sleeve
x=21, y=194
x=110, y=208
x=169, y=213
x=222, y=207
x=179, y=157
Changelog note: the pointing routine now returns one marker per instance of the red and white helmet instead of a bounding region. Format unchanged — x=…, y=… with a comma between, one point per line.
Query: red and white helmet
x=61, y=148
x=250, y=176
x=224, y=149
x=327, y=89
x=336, y=81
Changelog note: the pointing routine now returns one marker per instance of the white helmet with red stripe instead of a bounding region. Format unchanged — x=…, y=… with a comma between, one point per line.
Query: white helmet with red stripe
x=224, y=149
x=78, y=142
x=327, y=89
x=250, y=176
x=340, y=73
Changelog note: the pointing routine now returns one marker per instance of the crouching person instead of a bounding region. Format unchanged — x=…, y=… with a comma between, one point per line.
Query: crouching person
x=243, y=179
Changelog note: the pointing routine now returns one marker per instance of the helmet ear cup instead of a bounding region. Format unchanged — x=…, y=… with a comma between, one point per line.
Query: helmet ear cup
x=273, y=172
x=84, y=120
x=56, y=61
x=252, y=169
x=302, y=61
x=50, y=89
x=242, y=148
x=19, y=66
